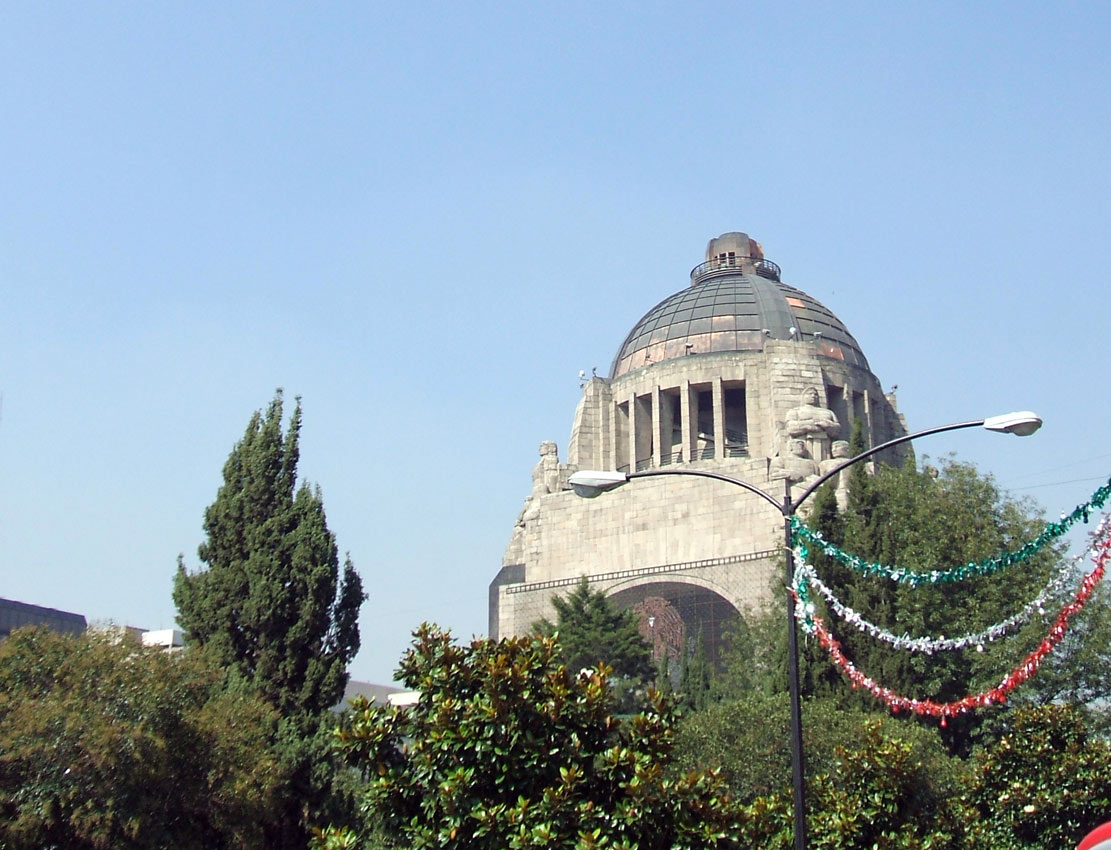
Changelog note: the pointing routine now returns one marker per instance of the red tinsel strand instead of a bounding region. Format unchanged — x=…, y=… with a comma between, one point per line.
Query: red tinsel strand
x=997, y=694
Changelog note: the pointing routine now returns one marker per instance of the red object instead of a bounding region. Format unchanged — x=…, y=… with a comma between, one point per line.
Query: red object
x=1098, y=839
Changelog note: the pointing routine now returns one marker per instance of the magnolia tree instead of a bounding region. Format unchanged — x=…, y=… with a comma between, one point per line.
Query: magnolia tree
x=507, y=748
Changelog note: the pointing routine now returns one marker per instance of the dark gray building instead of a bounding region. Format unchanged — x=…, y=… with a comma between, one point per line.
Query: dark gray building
x=16, y=615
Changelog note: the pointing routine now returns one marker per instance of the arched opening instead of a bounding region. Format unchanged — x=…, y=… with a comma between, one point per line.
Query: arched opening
x=673, y=614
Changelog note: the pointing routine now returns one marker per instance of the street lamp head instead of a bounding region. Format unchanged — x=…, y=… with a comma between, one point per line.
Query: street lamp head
x=1021, y=423
x=589, y=483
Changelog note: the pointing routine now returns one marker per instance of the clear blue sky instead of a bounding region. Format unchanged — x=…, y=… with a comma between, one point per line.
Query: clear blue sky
x=426, y=219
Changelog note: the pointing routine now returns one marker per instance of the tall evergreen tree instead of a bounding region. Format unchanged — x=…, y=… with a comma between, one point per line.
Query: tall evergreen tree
x=924, y=522
x=663, y=675
x=696, y=675
x=272, y=606
x=592, y=630
x=927, y=520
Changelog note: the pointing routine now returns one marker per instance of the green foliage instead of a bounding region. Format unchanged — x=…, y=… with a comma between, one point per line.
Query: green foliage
x=873, y=782
x=738, y=652
x=271, y=604
x=748, y=740
x=754, y=658
x=507, y=749
x=106, y=744
x=273, y=608
x=696, y=676
x=924, y=522
x=592, y=631
x=824, y=513
x=663, y=675
x=1045, y=784
x=1078, y=672
x=881, y=796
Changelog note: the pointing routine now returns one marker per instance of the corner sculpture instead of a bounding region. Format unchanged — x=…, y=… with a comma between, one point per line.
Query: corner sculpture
x=798, y=466
x=814, y=424
x=840, y=453
x=548, y=476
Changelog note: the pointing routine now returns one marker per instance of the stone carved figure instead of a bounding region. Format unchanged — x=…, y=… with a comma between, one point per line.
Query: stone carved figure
x=548, y=476
x=548, y=470
x=840, y=481
x=812, y=423
x=797, y=466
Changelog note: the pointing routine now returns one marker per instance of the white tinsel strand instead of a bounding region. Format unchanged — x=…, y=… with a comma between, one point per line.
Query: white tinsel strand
x=929, y=645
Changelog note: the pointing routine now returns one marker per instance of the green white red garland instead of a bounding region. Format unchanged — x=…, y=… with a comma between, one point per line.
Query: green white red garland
x=812, y=624
x=960, y=572
x=806, y=574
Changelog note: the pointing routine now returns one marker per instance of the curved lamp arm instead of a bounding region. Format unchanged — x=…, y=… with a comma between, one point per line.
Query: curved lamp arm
x=1022, y=424
x=752, y=488
x=589, y=483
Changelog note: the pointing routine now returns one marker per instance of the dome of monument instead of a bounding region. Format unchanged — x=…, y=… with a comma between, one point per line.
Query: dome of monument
x=735, y=302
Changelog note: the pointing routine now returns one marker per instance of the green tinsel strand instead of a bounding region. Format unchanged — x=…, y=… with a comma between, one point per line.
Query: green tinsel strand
x=1052, y=531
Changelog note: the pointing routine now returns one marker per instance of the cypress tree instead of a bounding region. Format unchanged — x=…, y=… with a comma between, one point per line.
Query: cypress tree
x=663, y=674
x=695, y=681
x=592, y=630
x=271, y=603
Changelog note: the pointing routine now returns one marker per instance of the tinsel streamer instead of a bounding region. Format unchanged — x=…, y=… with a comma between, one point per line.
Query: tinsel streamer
x=805, y=573
x=926, y=707
x=1052, y=531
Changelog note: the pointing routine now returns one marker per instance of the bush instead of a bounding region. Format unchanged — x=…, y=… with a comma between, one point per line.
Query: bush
x=506, y=748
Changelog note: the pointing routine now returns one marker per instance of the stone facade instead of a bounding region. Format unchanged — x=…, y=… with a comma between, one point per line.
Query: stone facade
x=702, y=548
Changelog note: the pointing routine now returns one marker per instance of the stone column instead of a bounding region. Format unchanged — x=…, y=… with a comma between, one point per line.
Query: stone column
x=613, y=458
x=657, y=427
x=719, y=419
x=634, y=416
x=869, y=427
x=688, y=418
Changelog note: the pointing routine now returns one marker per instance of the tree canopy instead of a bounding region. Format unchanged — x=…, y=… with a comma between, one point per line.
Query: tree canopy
x=748, y=740
x=508, y=748
x=271, y=603
x=272, y=606
x=591, y=630
x=1044, y=784
x=107, y=744
x=922, y=521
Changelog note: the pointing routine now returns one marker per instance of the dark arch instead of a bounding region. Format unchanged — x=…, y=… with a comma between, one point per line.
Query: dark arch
x=672, y=614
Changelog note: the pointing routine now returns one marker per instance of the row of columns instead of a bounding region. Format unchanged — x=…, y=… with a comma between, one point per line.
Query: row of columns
x=649, y=424
x=641, y=429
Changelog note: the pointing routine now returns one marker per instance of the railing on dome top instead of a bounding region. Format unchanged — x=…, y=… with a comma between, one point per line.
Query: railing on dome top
x=731, y=265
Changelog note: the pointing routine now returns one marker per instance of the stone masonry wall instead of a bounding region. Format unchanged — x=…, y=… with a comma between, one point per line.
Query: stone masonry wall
x=702, y=531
